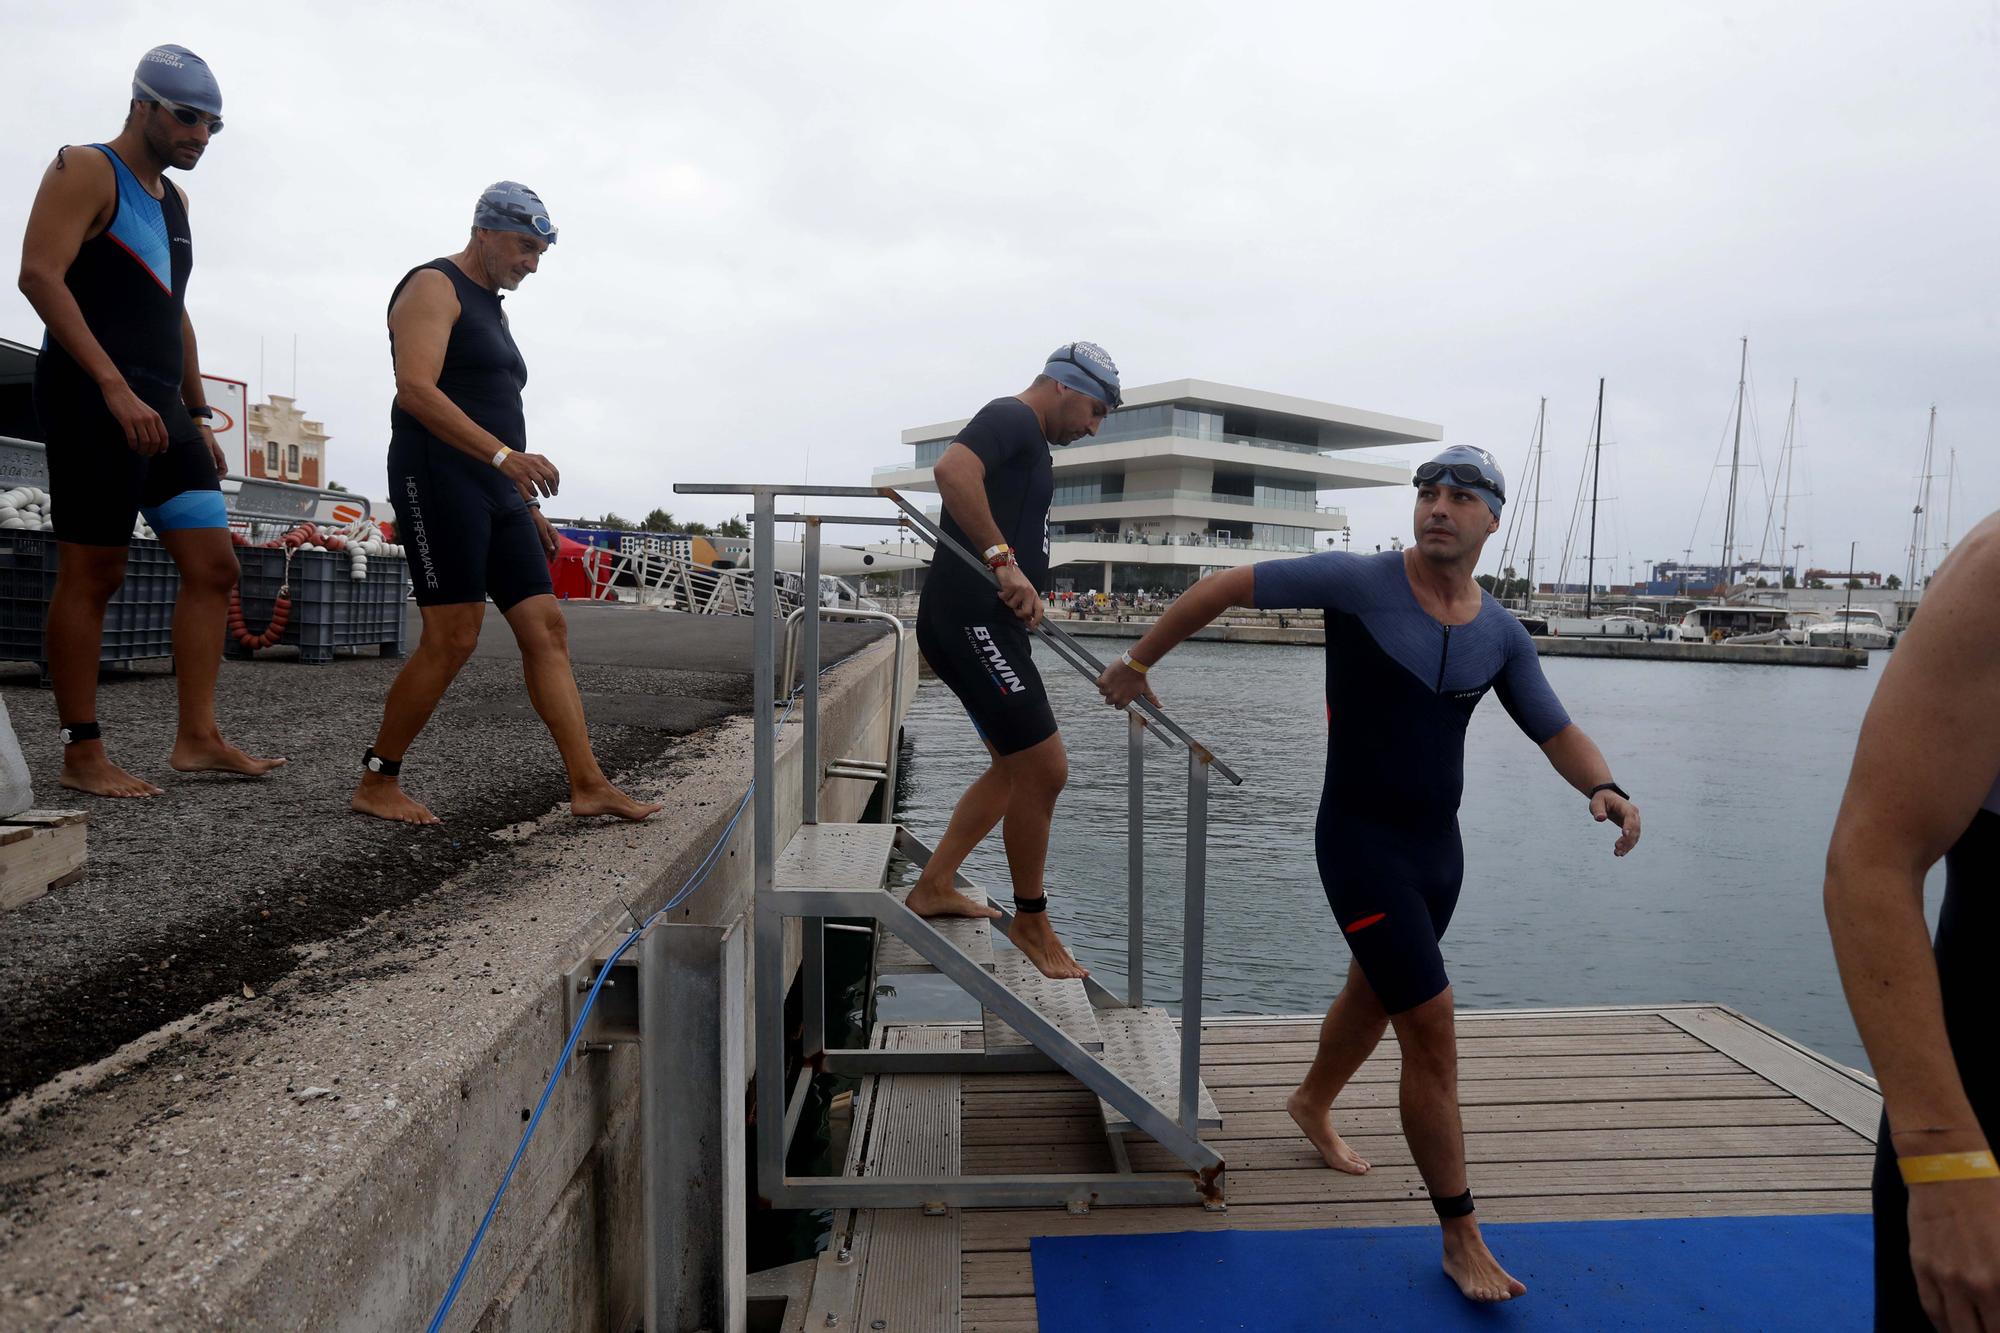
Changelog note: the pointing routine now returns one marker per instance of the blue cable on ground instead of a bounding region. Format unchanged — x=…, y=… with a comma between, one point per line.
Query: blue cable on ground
x=583, y=1016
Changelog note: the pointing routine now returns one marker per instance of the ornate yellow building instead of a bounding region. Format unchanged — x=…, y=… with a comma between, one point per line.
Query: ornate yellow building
x=284, y=446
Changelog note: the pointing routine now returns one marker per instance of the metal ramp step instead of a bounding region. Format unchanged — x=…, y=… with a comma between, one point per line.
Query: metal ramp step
x=971, y=936
x=836, y=856
x=1063, y=1002
x=1143, y=1047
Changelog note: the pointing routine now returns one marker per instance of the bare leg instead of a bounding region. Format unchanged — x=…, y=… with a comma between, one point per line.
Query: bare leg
x=983, y=806
x=86, y=579
x=1353, y=1026
x=209, y=570
x=543, y=634
x=449, y=635
x=1436, y=1135
x=1036, y=777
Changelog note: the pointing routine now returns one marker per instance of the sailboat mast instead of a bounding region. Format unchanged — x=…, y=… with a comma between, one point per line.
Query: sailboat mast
x=1535, y=502
x=1596, y=464
x=1919, y=527
x=1735, y=459
x=1785, y=465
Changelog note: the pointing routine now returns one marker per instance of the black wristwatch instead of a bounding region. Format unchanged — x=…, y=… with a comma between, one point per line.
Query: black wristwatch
x=203, y=413
x=1605, y=786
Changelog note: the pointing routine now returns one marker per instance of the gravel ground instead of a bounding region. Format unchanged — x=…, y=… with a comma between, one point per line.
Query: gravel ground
x=225, y=883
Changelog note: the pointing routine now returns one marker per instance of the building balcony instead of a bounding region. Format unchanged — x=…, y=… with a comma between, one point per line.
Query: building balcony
x=1324, y=471
x=1206, y=505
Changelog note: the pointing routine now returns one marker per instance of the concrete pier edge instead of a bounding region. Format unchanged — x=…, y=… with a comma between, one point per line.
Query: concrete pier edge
x=319, y=1156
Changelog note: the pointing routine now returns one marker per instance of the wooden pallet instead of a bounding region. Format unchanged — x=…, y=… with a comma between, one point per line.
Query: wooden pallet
x=40, y=850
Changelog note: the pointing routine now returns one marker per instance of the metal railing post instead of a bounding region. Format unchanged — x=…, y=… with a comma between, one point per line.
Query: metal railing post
x=1135, y=860
x=812, y=945
x=1193, y=923
x=809, y=797
x=769, y=927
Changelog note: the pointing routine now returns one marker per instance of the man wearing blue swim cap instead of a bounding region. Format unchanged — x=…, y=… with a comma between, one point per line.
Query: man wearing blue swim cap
x=997, y=480
x=467, y=496
x=118, y=392
x=1412, y=645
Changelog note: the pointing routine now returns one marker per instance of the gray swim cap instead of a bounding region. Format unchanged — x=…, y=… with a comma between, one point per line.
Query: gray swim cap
x=512, y=206
x=176, y=76
x=1087, y=368
x=1473, y=469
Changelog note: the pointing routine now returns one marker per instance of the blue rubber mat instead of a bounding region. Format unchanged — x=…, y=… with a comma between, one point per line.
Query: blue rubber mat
x=1672, y=1273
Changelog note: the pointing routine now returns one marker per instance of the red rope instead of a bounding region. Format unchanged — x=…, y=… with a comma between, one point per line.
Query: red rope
x=305, y=534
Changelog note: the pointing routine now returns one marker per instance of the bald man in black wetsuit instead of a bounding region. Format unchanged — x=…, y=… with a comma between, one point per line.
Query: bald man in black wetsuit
x=467, y=502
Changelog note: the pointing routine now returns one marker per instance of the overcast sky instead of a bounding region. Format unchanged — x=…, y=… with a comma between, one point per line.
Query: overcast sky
x=789, y=231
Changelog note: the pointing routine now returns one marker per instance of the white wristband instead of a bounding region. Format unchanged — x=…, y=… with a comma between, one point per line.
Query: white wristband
x=501, y=457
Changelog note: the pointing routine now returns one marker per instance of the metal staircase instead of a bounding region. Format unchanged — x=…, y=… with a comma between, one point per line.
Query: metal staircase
x=1145, y=1072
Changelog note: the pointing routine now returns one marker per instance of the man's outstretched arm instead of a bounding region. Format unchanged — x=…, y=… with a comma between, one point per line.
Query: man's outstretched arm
x=1191, y=611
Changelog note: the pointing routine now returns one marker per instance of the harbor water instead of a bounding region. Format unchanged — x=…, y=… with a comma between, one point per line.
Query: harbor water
x=1738, y=772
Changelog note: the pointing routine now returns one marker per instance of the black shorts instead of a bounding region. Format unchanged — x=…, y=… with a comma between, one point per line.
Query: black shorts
x=98, y=485
x=466, y=530
x=1392, y=889
x=992, y=671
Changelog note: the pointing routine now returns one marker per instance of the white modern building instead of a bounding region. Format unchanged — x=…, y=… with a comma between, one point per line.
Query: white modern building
x=1191, y=476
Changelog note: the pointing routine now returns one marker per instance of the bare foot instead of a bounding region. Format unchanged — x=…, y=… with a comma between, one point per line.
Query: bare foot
x=385, y=799
x=217, y=756
x=1472, y=1266
x=1032, y=934
x=1317, y=1126
x=98, y=776
x=606, y=799
x=937, y=898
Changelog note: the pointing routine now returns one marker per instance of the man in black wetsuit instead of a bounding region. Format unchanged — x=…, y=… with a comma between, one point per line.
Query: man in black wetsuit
x=997, y=480
x=118, y=392
x=1412, y=645
x=467, y=502
x=1925, y=784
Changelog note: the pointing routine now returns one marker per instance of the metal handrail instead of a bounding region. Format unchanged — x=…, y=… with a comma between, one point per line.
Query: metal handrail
x=1080, y=659
x=772, y=1107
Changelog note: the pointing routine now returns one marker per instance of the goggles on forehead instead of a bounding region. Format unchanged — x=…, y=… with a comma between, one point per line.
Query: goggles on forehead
x=1462, y=474
x=186, y=115
x=538, y=223
x=1112, y=398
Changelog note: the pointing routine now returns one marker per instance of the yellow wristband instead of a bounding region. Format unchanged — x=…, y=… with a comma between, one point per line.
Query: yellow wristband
x=501, y=456
x=1134, y=663
x=1934, y=1168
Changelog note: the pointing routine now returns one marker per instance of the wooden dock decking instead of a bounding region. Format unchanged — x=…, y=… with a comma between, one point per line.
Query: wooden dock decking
x=1676, y=1111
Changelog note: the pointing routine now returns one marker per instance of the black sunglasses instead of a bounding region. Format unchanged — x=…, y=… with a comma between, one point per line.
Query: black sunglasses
x=1115, y=399
x=1462, y=474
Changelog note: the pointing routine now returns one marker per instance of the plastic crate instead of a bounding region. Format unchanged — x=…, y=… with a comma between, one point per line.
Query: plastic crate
x=330, y=607
x=138, y=624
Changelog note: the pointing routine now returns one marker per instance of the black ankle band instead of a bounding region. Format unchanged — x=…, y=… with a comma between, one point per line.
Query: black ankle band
x=1458, y=1205
x=375, y=763
x=1030, y=906
x=75, y=733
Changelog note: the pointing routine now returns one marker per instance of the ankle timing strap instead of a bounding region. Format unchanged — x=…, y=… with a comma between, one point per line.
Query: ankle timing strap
x=1458, y=1205
x=375, y=763
x=75, y=733
x=1030, y=906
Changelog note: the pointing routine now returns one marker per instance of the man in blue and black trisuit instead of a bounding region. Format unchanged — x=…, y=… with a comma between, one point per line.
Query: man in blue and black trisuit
x=997, y=480
x=118, y=392
x=1412, y=645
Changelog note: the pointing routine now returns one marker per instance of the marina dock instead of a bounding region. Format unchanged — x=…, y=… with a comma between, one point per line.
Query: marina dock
x=1677, y=1111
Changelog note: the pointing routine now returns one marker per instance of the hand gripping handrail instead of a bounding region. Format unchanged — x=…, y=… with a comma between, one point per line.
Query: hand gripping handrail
x=1081, y=659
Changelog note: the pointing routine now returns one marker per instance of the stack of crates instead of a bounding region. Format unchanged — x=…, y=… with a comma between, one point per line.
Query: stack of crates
x=138, y=624
x=330, y=607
